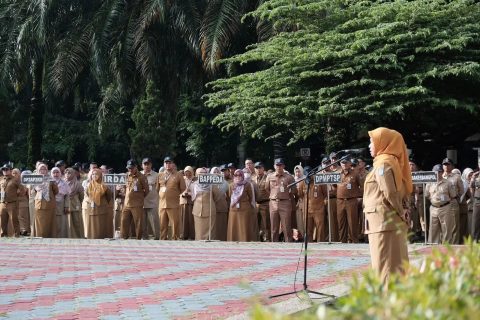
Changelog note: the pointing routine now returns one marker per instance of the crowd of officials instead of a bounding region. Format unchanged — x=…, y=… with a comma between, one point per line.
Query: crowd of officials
x=252, y=204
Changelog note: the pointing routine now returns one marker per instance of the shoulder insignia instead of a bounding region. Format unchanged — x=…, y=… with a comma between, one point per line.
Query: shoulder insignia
x=381, y=171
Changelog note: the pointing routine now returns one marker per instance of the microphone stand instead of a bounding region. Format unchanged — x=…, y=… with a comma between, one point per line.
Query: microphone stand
x=307, y=179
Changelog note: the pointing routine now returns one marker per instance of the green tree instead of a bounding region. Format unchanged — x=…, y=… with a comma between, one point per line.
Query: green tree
x=352, y=64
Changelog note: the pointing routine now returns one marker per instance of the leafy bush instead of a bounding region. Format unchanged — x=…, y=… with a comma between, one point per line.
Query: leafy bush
x=445, y=286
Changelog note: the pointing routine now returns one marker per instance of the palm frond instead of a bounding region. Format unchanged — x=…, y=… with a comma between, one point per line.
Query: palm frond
x=221, y=21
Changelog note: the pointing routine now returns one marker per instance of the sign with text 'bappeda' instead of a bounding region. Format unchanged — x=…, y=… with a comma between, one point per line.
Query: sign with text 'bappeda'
x=210, y=179
x=327, y=178
x=420, y=177
x=114, y=179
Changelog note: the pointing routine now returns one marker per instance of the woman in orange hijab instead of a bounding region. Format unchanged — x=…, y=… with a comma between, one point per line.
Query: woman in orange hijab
x=99, y=195
x=386, y=187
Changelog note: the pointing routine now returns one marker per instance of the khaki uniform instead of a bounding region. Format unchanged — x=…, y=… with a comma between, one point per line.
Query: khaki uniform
x=263, y=207
x=241, y=216
x=316, y=210
x=45, y=222
x=205, y=212
x=280, y=204
x=384, y=222
x=98, y=219
x=475, y=228
x=75, y=220
x=23, y=210
x=135, y=193
x=169, y=186
x=150, y=207
x=187, y=231
x=222, y=211
x=348, y=191
x=442, y=217
x=457, y=182
x=9, y=191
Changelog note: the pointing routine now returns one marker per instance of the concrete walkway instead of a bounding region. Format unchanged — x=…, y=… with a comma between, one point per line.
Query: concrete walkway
x=129, y=279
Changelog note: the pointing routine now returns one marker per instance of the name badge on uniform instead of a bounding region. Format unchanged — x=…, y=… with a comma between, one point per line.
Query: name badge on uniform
x=163, y=189
x=135, y=188
x=315, y=194
x=443, y=198
x=150, y=187
x=238, y=205
x=349, y=186
x=92, y=204
x=2, y=196
x=282, y=189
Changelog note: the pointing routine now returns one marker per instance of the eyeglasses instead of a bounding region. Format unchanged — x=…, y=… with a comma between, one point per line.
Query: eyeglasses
x=237, y=175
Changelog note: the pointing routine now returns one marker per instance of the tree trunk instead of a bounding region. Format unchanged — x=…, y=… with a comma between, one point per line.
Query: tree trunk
x=37, y=110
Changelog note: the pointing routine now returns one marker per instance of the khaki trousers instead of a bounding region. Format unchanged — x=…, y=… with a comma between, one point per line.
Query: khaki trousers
x=281, y=214
x=475, y=229
x=456, y=226
x=9, y=212
x=264, y=220
x=389, y=252
x=333, y=218
x=129, y=214
x=171, y=215
x=151, y=219
x=347, y=217
x=316, y=221
x=442, y=221
x=24, y=218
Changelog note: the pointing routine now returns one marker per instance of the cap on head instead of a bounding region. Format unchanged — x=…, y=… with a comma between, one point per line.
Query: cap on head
x=447, y=161
x=279, y=161
x=325, y=160
x=60, y=163
x=437, y=168
x=146, y=160
x=259, y=165
x=346, y=160
x=333, y=155
x=6, y=166
x=231, y=165
x=131, y=163
x=167, y=159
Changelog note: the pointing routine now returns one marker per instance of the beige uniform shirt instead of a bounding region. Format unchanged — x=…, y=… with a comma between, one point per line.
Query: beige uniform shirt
x=276, y=186
x=151, y=200
x=456, y=181
x=169, y=187
x=440, y=193
x=350, y=185
x=9, y=189
x=137, y=189
x=263, y=195
x=382, y=201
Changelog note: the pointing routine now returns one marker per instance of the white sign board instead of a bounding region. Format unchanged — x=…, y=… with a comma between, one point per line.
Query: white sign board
x=33, y=179
x=210, y=179
x=113, y=179
x=327, y=178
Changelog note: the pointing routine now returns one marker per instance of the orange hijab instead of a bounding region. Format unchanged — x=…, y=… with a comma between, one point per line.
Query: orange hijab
x=391, y=150
x=96, y=189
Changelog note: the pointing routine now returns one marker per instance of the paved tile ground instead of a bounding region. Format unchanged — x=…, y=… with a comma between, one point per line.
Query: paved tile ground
x=128, y=279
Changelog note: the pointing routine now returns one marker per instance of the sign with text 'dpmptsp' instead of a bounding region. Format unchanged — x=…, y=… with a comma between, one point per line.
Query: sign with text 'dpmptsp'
x=114, y=179
x=210, y=179
x=420, y=177
x=327, y=178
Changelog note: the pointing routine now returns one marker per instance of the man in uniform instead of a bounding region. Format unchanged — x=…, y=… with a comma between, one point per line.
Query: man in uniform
x=416, y=206
x=442, y=218
x=348, y=190
x=280, y=204
x=262, y=202
x=331, y=202
x=136, y=191
x=232, y=168
x=9, y=191
x=250, y=167
x=170, y=184
x=457, y=182
x=226, y=174
x=150, y=204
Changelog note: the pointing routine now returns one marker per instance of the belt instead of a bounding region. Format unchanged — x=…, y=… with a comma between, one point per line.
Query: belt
x=346, y=198
x=8, y=202
x=443, y=205
x=279, y=199
x=263, y=201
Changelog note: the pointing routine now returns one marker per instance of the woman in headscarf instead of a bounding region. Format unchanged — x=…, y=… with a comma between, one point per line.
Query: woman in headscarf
x=99, y=195
x=187, y=232
x=299, y=206
x=387, y=186
x=205, y=198
x=45, y=205
x=63, y=203
x=466, y=204
x=222, y=207
x=242, y=202
x=75, y=220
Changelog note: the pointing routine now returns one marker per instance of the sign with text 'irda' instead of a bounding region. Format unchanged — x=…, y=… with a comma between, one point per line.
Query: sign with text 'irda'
x=115, y=178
